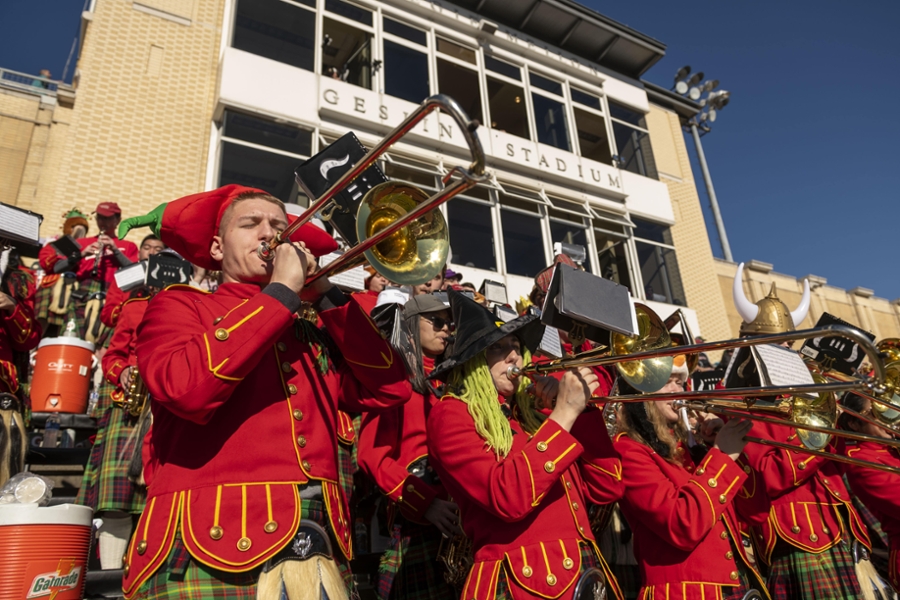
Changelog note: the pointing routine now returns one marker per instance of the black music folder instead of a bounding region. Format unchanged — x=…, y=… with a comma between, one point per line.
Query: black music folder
x=66, y=246
x=835, y=353
x=318, y=173
x=576, y=298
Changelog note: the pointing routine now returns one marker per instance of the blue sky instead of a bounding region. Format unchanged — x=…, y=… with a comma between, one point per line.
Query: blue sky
x=804, y=159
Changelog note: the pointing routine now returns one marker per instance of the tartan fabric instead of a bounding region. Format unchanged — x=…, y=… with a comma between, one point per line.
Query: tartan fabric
x=346, y=468
x=77, y=308
x=588, y=560
x=183, y=578
x=42, y=299
x=87, y=492
x=798, y=575
x=409, y=567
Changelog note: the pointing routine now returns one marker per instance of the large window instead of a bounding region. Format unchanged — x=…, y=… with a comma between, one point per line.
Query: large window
x=611, y=233
x=590, y=125
x=347, y=44
x=405, y=61
x=523, y=238
x=506, y=97
x=470, y=220
x=549, y=112
x=263, y=154
x=457, y=75
x=659, y=268
x=632, y=141
x=278, y=29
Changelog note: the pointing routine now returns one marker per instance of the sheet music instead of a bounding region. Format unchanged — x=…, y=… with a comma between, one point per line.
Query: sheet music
x=132, y=276
x=550, y=344
x=781, y=366
x=354, y=279
x=19, y=225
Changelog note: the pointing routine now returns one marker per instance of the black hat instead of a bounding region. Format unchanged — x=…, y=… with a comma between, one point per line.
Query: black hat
x=477, y=328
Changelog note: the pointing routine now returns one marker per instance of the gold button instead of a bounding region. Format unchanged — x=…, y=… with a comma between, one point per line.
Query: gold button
x=221, y=334
x=581, y=529
x=526, y=571
x=282, y=347
x=271, y=526
x=733, y=575
x=723, y=499
x=813, y=537
x=837, y=494
x=549, y=466
x=795, y=529
x=286, y=367
x=712, y=483
x=125, y=570
x=244, y=544
x=569, y=484
x=399, y=498
x=142, y=547
x=801, y=466
x=729, y=555
x=292, y=389
x=551, y=579
x=305, y=465
x=826, y=530
x=746, y=469
x=825, y=481
x=215, y=532
x=298, y=414
x=217, y=320
x=575, y=505
x=410, y=488
x=701, y=471
x=724, y=535
x=301, y=441
x=568, y=563
x=541, y=446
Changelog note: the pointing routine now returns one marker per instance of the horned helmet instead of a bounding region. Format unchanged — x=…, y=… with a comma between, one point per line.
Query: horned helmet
x=769, y=315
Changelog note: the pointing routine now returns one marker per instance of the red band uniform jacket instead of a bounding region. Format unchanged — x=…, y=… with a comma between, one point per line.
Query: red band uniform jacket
x=121, y=352
x=19, y=332
x=106, y=269
x=684, y=522
x=248, y=416
x=880, y=492
x=805, y=494
x=526, y=513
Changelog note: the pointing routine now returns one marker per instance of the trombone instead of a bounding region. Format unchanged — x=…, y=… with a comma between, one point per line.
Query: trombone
x=399, y=234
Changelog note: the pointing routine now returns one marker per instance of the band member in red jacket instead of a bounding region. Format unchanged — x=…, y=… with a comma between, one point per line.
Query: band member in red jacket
x=394, y=453
x=115, y=297
x=245, y=500
x=687, y=539
x=53, y=264
x=521, y=482
x=878, y=490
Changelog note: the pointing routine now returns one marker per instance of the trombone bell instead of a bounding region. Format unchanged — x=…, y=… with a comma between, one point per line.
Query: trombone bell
x=416, y=252
x=650, y=374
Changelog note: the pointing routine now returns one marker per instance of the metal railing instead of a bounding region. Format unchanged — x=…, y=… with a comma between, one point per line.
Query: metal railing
x=28, y=83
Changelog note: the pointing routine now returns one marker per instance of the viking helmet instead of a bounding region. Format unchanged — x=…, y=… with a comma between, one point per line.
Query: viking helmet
x=769, y=315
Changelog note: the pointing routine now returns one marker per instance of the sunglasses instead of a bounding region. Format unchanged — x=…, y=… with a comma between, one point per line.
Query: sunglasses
x=438, y=322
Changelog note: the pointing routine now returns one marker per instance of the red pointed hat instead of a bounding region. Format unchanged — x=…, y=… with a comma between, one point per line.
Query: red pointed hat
x=187, y=225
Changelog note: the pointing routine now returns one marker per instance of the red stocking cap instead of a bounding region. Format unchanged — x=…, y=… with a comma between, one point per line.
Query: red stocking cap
x=189, y=224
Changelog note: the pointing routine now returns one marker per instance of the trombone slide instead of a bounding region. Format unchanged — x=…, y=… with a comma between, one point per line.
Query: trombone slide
x=830, y=456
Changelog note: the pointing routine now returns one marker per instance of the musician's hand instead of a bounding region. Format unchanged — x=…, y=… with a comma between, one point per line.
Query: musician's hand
x=105, y=240
x=709, y=426
x=7, y=304
x=90, y=249
x=546, y=389
x=445, y=516
x=730, y=438
x=291, y=265
x=575, y=389
x=125, y=377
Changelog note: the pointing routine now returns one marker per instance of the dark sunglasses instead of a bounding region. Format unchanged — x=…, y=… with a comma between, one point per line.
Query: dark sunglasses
x=438, y=322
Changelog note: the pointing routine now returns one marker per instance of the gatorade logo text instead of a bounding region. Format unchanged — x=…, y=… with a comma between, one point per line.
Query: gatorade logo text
x=48, y=585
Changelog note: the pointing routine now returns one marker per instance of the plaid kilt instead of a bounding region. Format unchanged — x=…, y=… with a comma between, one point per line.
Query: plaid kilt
x=183, y=578
x=77, y=308
x=347, y=466
x=409, y=567
x=105, y=485
x=798, y=575
x=588, y=560
x=42, y=299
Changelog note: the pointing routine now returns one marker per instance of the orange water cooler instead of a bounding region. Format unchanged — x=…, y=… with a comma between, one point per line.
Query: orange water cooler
x=62, y=375
x=44, y=551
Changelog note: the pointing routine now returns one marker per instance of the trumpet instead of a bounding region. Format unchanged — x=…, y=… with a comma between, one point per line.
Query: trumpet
x=457, y=556
x=401, y=234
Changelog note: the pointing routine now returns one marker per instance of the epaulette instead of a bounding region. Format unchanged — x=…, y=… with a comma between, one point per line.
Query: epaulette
x=183, y=287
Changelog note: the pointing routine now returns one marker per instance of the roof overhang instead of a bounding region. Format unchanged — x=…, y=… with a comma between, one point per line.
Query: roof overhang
x=685, y=107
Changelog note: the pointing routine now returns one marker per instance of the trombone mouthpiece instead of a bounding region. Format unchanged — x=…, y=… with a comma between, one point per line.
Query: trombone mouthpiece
x=264, y=251
x=513, y=372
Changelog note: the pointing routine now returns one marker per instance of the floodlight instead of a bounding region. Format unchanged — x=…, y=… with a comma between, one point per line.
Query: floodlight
x=710, y=84
x=694, y=93
x=681, y=87
x=695, y=78
x=712, y=115
x=683, y=72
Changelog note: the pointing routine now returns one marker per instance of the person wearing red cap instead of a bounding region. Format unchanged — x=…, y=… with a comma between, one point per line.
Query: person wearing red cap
x=245, y=500
x=103, y=254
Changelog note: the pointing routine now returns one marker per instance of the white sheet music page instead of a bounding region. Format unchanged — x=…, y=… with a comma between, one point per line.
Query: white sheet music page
x=781, y=366
x=19, y=225
x=550, y=344
x=354, y=279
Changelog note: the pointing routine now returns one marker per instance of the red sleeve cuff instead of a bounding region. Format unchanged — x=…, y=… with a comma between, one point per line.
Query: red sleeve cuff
x=415, y=498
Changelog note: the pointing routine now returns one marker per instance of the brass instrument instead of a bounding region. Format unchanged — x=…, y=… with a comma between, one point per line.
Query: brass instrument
x=136, y=396
x=457, y=556
x=401, y=234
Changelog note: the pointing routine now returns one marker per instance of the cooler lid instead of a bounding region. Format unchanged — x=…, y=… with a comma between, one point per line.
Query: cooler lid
x=66, y=341
x=32, y=514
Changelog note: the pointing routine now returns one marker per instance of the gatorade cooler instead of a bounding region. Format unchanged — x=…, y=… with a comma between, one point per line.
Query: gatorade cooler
x=44, y=551
x=62, y=375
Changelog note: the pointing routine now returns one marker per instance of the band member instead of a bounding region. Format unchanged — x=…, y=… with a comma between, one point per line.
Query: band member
x=53, y=285
x=687, y=539
x=877, y=489
x=244, y=498
x=106, y=486
x=115, y=297
x=374, y=283
x=394, y=453
x=521, y=482
x=805, y=541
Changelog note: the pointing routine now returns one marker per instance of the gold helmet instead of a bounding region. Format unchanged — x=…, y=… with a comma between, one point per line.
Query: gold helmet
x=769, y=315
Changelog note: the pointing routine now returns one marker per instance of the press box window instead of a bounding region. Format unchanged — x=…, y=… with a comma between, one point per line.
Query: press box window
x=257, y=168
x=523, y=238
x=549, y=113
x=278, y=30
x=405, y=72
x=632, y=141
x=471, y=230
x=346, y=53
x=267, y=133
x=659, y=267
x=592, y=137
x=508, y=111
x=349, y=11
x=612, y=256
x=458, y=81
